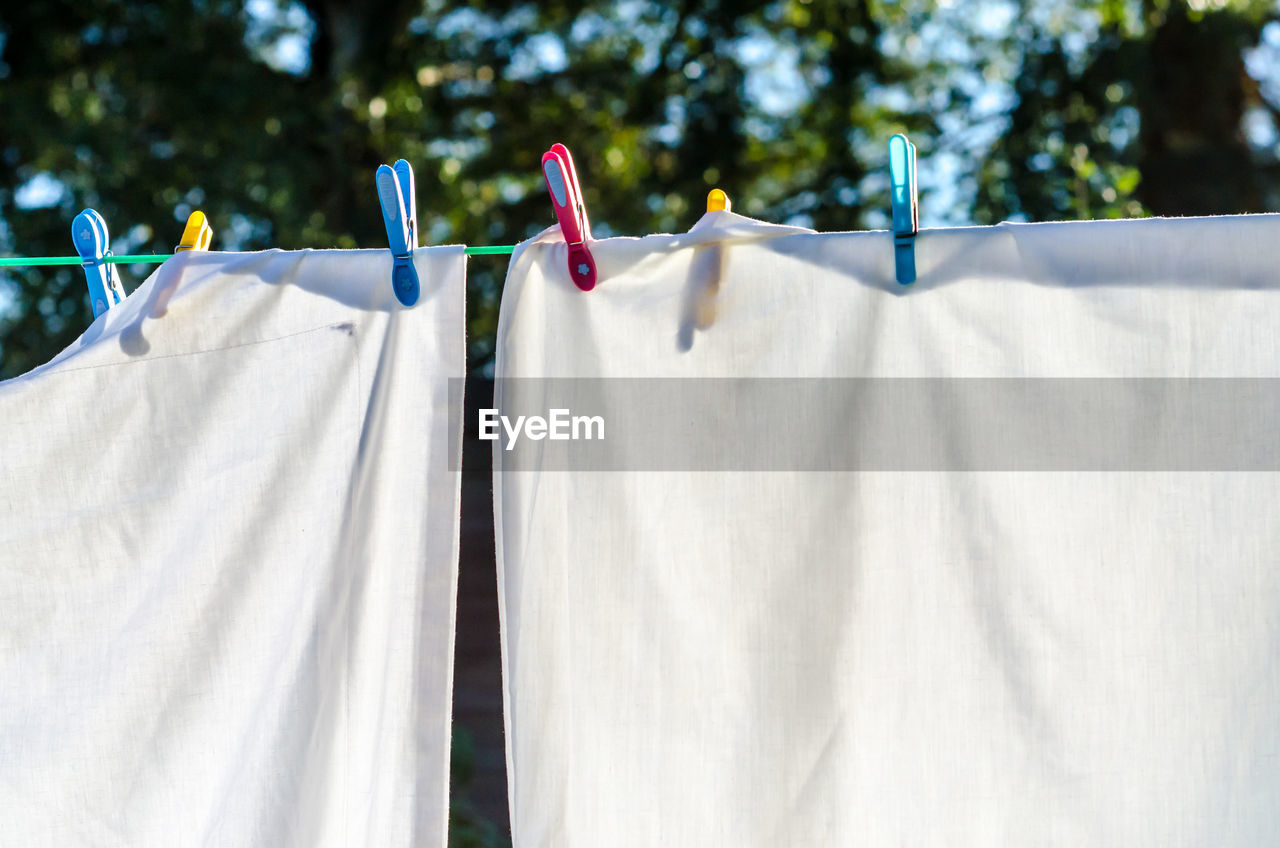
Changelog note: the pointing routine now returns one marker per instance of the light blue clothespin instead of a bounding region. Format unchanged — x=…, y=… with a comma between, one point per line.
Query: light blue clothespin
x=904, y=205
x=400, y=215
x=89, y=233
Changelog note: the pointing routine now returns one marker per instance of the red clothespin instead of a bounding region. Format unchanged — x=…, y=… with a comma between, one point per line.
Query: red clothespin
x=566, y=197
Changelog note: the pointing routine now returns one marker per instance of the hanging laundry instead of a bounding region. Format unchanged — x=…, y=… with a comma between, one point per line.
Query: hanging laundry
x=228, y=558
x=866, y=613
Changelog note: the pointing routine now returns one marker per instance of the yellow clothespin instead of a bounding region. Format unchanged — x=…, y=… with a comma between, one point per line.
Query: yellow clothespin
x=197, y=235
x=717, y=200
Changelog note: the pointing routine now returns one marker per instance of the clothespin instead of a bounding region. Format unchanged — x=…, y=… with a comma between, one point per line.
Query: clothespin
x=717, y=201
x=89, y=234
x=197, y=234
x=566, y=197
x=399, y=201
x=904, y=206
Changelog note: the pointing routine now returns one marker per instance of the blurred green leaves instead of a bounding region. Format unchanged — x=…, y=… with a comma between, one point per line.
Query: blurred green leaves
x=272, y=114
x=467, y=828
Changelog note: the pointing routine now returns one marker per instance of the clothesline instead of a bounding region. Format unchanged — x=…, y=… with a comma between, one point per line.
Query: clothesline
x=140, y=258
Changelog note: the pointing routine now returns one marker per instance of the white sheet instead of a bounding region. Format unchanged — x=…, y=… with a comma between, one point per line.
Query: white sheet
x=936, y=657
x=228, y=558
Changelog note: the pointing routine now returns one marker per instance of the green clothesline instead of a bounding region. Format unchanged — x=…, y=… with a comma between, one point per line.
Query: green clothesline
x=492, y=250
x=139, y=258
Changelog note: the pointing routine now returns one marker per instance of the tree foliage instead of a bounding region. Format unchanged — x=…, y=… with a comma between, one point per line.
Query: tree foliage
x=271, y=115
x=1148, y=118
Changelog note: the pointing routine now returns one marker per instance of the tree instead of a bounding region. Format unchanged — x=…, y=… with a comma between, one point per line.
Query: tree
x=271, y=115
x=1147, y=117
x=146, y=111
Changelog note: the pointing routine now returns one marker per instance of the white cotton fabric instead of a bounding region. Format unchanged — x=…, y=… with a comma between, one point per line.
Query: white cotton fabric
x=228, y=558
x=889, y=658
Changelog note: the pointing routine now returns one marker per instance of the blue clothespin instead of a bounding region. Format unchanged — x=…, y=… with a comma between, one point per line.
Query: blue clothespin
x=400, y=215
x=89, y=233
x=904, y=205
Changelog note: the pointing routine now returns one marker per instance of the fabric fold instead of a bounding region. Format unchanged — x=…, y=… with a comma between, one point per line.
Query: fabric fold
x=937, y=650
x=228, y=561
